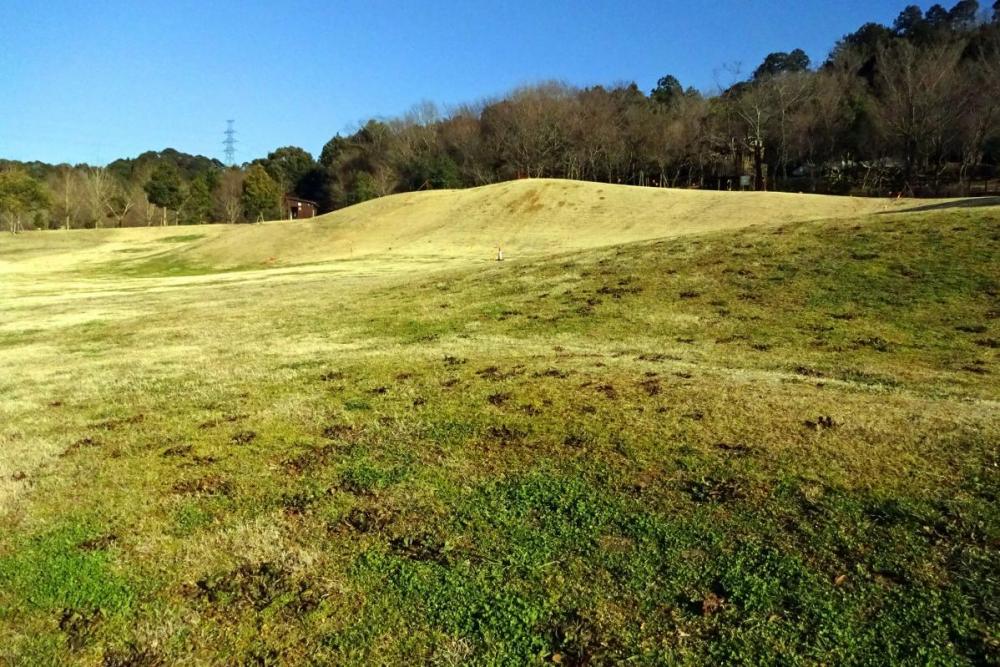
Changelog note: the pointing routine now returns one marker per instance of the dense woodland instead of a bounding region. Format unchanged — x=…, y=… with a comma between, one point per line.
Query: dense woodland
x=910, y=108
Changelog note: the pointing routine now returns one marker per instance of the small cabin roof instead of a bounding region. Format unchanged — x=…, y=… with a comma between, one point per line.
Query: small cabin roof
x=301, y=200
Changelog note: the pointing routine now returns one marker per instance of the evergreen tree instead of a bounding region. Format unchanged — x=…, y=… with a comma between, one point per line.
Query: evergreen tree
x=20, y=194
x=198, y=205
x=781, y=62
x=434, y=172
x=261, y=195
x=165, y=188
x=937, y=16
x=964, y=14
x=910, y=24
x=668, y=90
x=364, y=188
x=288, y=166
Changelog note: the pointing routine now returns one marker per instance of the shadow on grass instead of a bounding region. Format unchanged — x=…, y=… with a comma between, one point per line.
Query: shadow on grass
x=968, y=202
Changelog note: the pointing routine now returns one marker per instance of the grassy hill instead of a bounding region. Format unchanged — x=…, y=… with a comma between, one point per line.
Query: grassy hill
x=690, y=428
x=529, y=217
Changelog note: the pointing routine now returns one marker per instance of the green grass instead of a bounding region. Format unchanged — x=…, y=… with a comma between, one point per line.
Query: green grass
x=182, y=238
x=715, y=449
x=159, y=265
x=68, y=567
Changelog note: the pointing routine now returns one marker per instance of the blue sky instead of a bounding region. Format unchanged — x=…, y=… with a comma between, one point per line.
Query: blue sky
x=94, y=81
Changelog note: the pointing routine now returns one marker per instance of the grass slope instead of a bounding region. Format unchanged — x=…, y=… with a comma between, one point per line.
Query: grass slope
x=711, y=448
x=528, y=217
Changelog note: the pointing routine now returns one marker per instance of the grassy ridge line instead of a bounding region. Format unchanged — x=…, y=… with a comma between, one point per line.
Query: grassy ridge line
x=526, y=217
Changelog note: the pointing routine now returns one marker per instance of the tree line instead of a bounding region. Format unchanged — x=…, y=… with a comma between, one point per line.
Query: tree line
x=156, y=188
x=909, y=108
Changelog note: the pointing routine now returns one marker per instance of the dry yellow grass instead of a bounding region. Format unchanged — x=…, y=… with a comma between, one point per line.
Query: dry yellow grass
x=53, y=281
x=372, y=443
x=524, y=217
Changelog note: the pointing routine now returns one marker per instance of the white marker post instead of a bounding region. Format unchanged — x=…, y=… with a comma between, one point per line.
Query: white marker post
x=499, y=254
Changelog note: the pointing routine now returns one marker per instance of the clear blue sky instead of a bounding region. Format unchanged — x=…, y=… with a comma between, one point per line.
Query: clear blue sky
x=90, y=82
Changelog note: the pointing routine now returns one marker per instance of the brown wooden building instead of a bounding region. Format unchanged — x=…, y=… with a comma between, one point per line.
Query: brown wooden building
x=295, y=208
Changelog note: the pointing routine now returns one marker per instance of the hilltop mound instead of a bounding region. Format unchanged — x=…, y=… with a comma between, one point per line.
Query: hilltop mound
x=527, y=217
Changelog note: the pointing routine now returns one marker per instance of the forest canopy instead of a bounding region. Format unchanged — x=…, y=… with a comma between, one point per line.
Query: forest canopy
x=911, y=108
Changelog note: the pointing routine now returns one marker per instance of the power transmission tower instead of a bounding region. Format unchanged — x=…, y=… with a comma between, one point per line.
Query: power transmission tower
x=230, y=143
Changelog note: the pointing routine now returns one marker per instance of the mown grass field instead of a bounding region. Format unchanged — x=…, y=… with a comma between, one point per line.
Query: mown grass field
x=770, y=443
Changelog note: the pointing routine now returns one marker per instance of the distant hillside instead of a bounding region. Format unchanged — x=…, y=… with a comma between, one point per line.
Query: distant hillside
x=524, y=217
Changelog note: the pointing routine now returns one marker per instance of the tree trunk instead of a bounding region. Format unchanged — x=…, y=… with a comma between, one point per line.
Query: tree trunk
x=758, y=169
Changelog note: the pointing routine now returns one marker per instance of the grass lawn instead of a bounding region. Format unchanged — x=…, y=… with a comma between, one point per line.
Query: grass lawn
x=767, y=444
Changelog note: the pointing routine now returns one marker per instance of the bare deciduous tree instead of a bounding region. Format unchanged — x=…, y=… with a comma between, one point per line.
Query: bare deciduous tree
x=227, y=197
x=919, y=102
x=68, y=189
x=979, y=117
x=108, y=197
